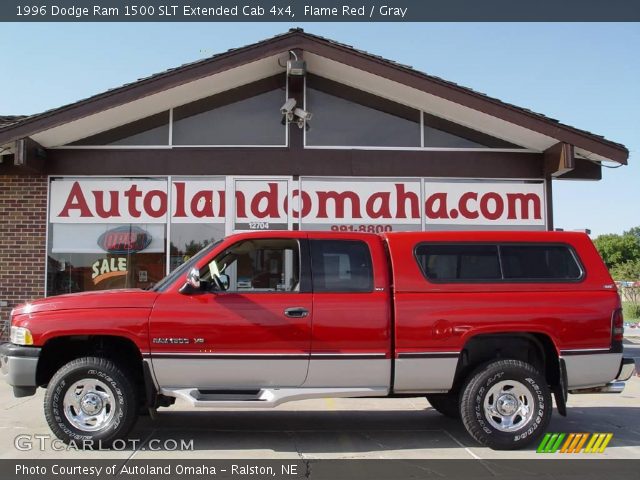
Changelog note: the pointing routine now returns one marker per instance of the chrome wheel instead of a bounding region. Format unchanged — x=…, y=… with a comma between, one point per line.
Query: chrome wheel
x=89, y=405
x=508, y=406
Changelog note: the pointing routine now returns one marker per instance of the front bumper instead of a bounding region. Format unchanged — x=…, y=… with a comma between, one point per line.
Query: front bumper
x=627, y=369
x=18, y=365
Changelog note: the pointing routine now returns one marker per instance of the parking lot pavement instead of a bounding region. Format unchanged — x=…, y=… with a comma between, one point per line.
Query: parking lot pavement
x=326, y=428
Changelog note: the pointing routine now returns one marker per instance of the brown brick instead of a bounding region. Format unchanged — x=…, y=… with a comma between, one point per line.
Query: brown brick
x=23, y=223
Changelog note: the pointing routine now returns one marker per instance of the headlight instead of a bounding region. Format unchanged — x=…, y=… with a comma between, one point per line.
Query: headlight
x=21, y=336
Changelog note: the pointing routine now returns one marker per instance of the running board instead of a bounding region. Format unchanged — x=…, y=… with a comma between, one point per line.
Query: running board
x=265, y=398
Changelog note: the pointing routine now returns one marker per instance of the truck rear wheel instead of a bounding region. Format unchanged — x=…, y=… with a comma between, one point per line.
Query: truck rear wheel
x=448, y=404
x=506, y=405
x=91, y=399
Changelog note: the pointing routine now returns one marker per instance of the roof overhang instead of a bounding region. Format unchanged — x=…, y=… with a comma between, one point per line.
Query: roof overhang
x=162, y=101
x=325, y=58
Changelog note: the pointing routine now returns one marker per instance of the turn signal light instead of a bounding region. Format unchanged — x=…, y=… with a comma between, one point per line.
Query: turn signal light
x=21, y=336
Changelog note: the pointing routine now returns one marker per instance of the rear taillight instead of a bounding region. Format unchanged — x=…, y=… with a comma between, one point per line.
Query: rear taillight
x=617, y=325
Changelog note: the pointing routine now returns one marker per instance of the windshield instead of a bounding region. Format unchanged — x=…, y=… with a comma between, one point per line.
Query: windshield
x=182, y=269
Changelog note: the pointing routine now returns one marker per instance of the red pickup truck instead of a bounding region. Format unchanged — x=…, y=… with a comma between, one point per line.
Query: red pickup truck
x=486, y=325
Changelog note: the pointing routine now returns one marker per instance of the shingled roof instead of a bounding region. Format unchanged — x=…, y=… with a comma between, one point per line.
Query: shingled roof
x=14, y=127
x=6, y=120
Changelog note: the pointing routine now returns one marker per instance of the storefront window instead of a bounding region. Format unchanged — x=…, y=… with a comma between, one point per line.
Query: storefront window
x=340, y=122
x=198, y=216
x=152, y=131
x=189, y=239
x=368, y=205
x=102, y=257
x=251, y=121
x=439, y=138
x=106, y=233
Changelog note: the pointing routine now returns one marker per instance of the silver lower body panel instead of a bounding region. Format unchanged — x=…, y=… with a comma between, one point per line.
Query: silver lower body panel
x=591, y=370
x=229, y=373
x=429, y=375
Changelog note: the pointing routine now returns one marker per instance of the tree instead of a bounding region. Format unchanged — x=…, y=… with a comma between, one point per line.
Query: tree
x=627, y=271
x=628, y=274
x=618, y=249
x=635, y=231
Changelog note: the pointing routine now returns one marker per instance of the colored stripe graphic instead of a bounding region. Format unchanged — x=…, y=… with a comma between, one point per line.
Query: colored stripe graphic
x=574, y=442
x=600, y=443
x=550, y=443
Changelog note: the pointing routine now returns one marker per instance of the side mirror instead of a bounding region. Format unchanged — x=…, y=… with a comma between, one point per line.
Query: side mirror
x=192, y=282
x=193, y=278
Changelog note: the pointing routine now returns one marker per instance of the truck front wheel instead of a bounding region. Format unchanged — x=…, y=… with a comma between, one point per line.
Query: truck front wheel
x=92, y=402
x=506, y=404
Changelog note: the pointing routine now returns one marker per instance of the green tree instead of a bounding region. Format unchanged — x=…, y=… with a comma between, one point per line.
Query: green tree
x=618, y=249
x=635, y=231
x=626, y=272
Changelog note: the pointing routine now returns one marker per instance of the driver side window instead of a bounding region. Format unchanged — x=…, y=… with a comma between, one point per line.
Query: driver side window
x=260, y=265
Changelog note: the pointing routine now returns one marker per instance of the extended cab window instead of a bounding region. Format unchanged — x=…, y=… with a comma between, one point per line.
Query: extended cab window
x=539, y=262
x=459, y=262
x=341, y=266
x=498, y=262
x=261, y=265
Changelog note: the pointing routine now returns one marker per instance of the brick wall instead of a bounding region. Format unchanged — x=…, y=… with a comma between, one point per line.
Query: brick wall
x=23, y=226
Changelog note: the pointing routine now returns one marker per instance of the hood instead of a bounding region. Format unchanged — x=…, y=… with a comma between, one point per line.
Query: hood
x=125, y=298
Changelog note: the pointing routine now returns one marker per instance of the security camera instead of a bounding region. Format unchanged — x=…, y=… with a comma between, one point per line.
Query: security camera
x=302, y=114
x=288, y=106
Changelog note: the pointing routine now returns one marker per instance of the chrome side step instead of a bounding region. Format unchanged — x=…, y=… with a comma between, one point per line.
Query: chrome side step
x=265, y=398
x=611, y=387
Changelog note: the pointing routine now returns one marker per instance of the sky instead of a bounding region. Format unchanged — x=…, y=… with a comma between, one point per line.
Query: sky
x=585, y=75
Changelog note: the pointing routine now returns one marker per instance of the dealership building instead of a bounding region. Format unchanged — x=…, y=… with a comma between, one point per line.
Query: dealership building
x=293, y=132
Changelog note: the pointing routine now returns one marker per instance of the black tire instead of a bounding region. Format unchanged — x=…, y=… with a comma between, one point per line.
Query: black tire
x=113, y=384
x=489, y=383
x=448, y=404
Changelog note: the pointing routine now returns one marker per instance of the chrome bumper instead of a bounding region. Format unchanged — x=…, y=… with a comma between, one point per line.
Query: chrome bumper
x=627, y=369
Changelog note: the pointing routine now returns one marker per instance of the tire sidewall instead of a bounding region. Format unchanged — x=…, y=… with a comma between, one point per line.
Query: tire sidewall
x=120, y=390
x=541, y=399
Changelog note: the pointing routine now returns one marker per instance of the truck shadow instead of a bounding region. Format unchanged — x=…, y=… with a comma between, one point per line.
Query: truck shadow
x=357, y=431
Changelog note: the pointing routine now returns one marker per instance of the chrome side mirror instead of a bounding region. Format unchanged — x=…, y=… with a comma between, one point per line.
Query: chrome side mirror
x=192, y=282
x=193, y=278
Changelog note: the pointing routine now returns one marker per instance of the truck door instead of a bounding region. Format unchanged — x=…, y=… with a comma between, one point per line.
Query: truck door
x=254, y=334
x=351, y=337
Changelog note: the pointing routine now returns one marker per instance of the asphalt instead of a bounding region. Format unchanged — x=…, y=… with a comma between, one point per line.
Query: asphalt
x=318, y=429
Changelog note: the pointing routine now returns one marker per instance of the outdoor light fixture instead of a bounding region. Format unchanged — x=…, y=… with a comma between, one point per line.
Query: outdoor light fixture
x=295, y=67
x=20, y=153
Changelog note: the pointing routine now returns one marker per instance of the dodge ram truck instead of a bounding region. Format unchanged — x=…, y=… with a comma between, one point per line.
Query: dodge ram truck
x=488, y=326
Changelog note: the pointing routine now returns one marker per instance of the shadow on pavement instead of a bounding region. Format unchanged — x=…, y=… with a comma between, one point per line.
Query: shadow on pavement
x=336, y=431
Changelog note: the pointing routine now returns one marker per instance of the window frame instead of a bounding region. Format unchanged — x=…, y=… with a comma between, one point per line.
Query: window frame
x=504, y=280
x=351, y=292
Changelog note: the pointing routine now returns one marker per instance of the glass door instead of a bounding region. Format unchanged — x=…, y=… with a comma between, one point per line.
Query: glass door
x=260, y=203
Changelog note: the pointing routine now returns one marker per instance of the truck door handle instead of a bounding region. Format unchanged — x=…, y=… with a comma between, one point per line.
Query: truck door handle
x=296, y=312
